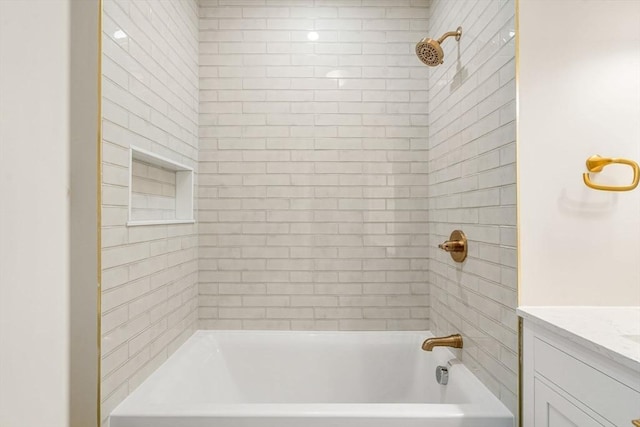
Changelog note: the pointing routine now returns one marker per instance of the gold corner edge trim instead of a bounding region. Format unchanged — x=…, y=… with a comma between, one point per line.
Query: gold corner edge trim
x=518, y=198
x=99, y=220
x=519, y=421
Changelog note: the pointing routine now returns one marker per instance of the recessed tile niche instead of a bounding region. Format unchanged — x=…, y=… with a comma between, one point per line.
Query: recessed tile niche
x=160, y=190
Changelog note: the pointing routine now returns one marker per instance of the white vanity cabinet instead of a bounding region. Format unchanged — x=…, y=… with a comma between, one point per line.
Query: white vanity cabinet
x=570, y=380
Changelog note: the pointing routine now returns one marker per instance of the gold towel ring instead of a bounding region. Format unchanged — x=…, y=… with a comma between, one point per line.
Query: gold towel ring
x=597, y=164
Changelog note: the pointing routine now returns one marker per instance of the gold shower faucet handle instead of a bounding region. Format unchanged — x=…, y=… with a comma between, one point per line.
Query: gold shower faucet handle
x=456, y=245
x=452, y=246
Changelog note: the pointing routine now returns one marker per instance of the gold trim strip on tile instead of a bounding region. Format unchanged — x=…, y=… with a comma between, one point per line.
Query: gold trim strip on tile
x=99, y=222
x=518, y=217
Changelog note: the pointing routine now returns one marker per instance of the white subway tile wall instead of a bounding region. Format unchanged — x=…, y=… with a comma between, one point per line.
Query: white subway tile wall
x=472, y=177
x=153, y=192
x=149, y=273
x=330, y=163
x=313, y=165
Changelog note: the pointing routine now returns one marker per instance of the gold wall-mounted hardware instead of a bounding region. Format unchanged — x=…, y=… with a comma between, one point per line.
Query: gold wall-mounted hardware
x=456, y=246
x=430, y=52
x=596, y=164
x=454, y=341
x=457, y=34
x=636, y=423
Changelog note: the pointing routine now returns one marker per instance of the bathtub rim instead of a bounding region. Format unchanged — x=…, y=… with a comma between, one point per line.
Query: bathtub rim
x=487, y=406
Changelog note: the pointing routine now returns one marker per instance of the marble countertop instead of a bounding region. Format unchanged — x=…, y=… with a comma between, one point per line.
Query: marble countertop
x=613, y=332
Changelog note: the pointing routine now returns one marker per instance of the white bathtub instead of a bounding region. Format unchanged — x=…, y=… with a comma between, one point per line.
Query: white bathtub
x=309, y=379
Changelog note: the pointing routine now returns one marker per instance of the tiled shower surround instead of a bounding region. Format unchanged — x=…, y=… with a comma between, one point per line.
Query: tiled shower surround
x=472, y=186
x=149, y=273
x=330, y=163
x=313, y=155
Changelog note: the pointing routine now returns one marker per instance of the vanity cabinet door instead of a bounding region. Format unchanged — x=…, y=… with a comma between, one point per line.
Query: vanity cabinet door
x=567, y=384
x=551, y=409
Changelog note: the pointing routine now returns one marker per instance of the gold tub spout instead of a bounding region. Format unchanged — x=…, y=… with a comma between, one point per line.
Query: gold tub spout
x=454, y=341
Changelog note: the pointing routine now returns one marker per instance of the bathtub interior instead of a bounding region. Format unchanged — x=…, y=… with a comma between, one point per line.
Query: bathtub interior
x=273, y=367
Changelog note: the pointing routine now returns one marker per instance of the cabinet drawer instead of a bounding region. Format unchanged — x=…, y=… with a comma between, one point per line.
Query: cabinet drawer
x=613, y=400
x=553, y=410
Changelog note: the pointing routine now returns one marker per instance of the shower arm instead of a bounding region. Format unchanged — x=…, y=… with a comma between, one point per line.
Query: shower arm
x=455, y=34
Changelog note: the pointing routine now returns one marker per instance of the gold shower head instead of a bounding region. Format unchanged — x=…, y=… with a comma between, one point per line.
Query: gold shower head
x=430, y=52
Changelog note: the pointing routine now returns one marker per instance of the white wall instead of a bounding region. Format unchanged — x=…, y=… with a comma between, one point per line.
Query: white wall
x=150, y=273
x=579, y=95
x=313, y=165
x=48, y=213
x=472, y=178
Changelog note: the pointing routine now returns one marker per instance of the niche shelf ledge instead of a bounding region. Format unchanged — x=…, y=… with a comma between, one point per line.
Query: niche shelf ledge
x=160, y=222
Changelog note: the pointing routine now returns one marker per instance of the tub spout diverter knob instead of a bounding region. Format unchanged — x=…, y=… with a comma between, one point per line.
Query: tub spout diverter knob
x=442, y=375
